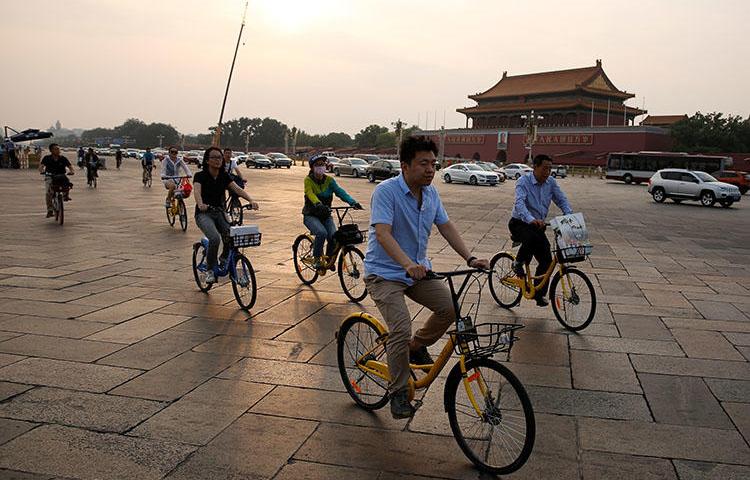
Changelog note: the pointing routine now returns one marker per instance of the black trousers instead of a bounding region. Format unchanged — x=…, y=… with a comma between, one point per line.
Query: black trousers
x=533, y=243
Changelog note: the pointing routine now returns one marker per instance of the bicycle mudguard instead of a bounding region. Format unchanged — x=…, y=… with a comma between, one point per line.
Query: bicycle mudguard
x=366, y=316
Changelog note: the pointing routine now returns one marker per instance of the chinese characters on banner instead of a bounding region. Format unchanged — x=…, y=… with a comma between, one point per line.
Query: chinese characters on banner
x=502, y=140
x=565, y=139
x=464, y=139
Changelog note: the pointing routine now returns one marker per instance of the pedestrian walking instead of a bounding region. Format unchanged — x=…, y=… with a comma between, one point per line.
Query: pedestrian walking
x=118, y=158
x=81, y=154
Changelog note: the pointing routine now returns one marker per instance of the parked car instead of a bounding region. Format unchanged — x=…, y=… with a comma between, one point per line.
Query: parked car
x=680, y=184
x=241, y=158
x=515, y=170
x=280, y=160
x=491, y=167
x=559, y=172
x=131, y=153
x=368, y=157
x=383, y=169
x=351, y=166
x=740, y=179
x=258, y=161
x=332, y=162
x=192, y=157
x=470, y=173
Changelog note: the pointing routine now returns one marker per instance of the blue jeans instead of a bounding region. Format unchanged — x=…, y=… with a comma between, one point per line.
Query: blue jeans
x=323, y=231
x=216, y=228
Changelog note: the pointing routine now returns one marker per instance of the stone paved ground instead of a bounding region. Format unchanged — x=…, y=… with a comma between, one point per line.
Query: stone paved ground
x=113, y=365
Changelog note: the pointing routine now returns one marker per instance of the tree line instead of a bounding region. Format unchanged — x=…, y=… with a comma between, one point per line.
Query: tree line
x=712, y=133
x=256, y=133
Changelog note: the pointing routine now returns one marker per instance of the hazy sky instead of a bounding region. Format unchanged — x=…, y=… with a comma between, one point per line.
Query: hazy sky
x=339, y=65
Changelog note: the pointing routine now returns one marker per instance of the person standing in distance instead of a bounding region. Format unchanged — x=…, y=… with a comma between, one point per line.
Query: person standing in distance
x=534, y=193
x=403, y=211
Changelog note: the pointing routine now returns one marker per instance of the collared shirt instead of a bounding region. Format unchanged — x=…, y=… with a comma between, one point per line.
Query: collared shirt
x=393, y=204
x=533, y=198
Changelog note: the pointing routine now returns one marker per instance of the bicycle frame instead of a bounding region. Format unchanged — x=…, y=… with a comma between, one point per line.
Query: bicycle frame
x=528, y=284
x=380, y=368
x=327, y=260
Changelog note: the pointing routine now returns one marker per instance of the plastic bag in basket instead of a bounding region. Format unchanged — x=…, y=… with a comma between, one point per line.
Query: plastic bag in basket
x=572, y=229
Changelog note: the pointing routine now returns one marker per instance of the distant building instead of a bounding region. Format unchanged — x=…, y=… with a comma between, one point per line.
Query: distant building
x=584, y=117
x=665, y=121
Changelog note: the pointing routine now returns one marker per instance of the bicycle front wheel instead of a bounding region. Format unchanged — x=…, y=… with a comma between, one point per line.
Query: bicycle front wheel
x=303, y=259
x=358, y=340
x=182, y=212
x=505, y=294
x=573, y=299
x=243, y=283
x=171, y=217
x=148, y=180
x=199, y=267
x=60, y=211
x=235, y=211
x=352, y=273
x=499, y=438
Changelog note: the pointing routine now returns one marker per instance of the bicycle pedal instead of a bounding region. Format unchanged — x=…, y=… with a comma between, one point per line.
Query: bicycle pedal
x=417, y=404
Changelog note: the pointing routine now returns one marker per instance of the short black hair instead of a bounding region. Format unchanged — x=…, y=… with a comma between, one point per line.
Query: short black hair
x=207, y=153
x=541, y=158
x=227, y=149
x=53, y=145
x=411, y=145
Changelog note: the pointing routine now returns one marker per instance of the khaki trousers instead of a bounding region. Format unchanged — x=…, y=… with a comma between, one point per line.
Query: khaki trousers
x=389, y=298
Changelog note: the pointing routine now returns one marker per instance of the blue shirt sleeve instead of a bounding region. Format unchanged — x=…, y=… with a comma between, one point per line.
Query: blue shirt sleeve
x=520, y=205
x=558, y=196
x=341, y=193
x=381, y=206
x=441, y=216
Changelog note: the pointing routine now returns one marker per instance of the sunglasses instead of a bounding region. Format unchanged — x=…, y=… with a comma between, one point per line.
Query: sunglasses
x=216, y=157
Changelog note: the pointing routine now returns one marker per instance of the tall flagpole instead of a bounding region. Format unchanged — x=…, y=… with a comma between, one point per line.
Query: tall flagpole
x=217, y=134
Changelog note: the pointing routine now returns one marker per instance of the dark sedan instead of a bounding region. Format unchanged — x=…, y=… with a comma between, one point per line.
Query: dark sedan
x=383, y=169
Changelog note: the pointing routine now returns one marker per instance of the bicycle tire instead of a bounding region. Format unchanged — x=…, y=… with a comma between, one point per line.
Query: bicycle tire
x=365, y=333
x=235, y=211
x=302, y=250
x=352, y=273
x=148, y=181
x=182, y=212
x=506, y=296
x=494, y=418
x=94, y=182
x=199, y=251
x=574, y=300
x=171, y=217
x=244, y=294
x=60, y=212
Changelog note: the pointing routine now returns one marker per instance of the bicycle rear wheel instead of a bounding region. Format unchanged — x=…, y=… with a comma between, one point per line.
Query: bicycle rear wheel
x=303, y=259
x=243, y=283
x=574, y=304
x=356, y=337
x=182, y=212
x=60, y=209
x=148, y=180
x=199, y=267
x=171, y=217
x=500, y=439
x=235, y=210
x=505, y=294
x=352, y=273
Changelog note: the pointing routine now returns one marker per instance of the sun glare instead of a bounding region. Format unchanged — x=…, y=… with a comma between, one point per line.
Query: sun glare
x=293, y=15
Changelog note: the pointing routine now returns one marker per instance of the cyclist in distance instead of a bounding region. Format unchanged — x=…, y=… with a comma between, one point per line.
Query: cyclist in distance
x=534, y=193
x=170, y=167
x=230, y=165
x=319, y=191
x=403, y=211
x=147, y=162
x=54, y=164
x=210, y=187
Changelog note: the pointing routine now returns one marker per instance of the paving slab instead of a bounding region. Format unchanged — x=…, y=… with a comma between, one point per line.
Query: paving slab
x=697, y=367
x=719, y=310
x=59, y=348
x=541, y=348
x=124, y=311
x=625, y=467
x=241, y=328
x=705, y=344
x=238, y=453
x=259, y=348
x=626, y=345
x=611, y=372
x=137, y=329
x=740, y=414
x=72, y=452
x=643, y=327
x=65, y=374
x=44, y=309
x=10, y=429
x=298, y=470
x=8, y=389
x=155, y=350
x=94, y=411
x=51, y=326
x=585, y=403
x=7, y=359
x=688, y=470
x=291, y=374
x=729, y=390
x=175, y=377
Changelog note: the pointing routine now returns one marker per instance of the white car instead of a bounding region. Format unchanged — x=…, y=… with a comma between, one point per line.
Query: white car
x=515, y=170
x=680, y=184
x=470, y=173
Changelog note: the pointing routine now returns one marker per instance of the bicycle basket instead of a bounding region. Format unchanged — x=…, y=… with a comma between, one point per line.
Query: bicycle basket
x=245, y=236
x=349, y=234
x=486, y=339
x=573, y=254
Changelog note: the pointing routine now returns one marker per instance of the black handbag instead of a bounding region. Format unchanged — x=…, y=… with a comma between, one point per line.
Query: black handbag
x=321, y=212
x=349, y=234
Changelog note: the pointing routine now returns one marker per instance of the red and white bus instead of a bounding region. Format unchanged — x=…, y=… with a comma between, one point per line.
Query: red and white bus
x=637, y=167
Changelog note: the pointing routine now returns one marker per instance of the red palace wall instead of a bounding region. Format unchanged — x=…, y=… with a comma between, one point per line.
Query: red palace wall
x=567, y=146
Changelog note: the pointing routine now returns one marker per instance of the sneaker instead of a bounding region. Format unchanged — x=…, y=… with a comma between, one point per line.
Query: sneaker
x=400, y=406
x=541, y=302
x=518, y=269
x=210, y=277
x=167, y=204
x=420, y=357
x=50, y=213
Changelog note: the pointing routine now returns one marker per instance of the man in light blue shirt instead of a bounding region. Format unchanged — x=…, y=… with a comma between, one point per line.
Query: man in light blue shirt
x=534, y=193
x=404, y=209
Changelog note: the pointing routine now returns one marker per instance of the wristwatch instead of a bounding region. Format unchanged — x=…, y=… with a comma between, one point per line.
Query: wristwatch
x=469, y=260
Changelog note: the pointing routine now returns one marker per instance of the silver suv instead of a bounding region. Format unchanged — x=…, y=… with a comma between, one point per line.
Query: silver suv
x=680, y=184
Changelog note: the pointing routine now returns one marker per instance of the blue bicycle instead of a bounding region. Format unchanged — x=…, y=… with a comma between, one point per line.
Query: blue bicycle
x=237, y=265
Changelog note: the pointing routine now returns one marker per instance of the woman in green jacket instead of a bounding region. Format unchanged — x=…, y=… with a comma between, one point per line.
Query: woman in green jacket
x=319, y=191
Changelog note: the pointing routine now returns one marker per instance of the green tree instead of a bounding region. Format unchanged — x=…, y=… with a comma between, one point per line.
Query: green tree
x=368, y=137
x=712, y=133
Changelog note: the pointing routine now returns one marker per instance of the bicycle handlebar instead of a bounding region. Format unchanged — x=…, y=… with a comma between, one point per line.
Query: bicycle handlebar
x=432, y=275
x=175, y=177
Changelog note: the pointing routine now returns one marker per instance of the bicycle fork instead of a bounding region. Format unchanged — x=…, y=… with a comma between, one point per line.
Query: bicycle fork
x=489, y=413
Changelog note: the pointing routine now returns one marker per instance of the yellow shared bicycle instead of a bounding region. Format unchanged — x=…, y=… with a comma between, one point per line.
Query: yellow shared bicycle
x=489, y=411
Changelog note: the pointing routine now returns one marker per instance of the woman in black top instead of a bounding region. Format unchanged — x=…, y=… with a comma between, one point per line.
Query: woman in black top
x=210, y=186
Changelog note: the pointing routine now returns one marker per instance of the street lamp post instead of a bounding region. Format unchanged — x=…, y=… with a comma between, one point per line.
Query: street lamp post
x=531, y=130
x=160, y=137
x=246, y=133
